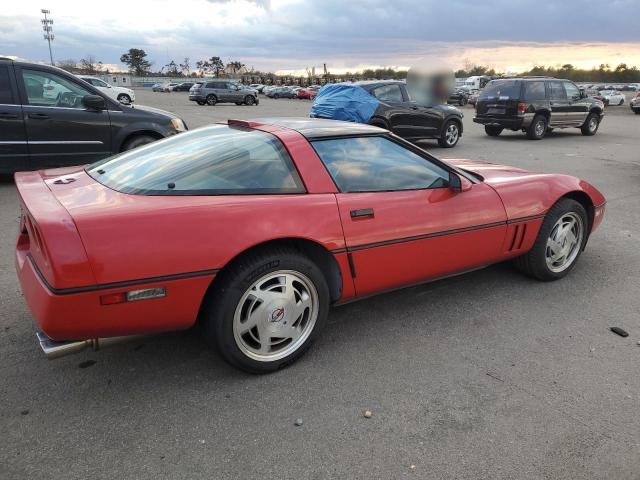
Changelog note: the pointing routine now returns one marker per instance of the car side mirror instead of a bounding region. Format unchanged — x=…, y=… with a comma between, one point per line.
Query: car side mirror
x=94, y=102
x=458, y=183
x=583, y=93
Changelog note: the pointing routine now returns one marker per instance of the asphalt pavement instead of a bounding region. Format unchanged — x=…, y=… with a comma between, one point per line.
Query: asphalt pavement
x=489, y=375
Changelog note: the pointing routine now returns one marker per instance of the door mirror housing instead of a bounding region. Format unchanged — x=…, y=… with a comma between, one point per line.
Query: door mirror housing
x=459, y=183
x=94, y=102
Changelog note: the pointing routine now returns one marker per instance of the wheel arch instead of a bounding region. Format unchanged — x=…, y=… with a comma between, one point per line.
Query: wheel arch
x=454, y=118
x=544, y=112
x=585, y=200
x=137, y=133
x=316, y=252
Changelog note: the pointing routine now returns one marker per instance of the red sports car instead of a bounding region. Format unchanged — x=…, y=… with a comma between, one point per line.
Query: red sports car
x=307, y=93
x=254, y=228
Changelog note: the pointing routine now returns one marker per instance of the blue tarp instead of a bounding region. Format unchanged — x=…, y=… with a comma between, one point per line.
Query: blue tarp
x=344, y=101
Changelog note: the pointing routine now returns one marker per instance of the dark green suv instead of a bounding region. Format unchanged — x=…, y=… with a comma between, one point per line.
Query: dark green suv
x=536, y=105
x=219, y=91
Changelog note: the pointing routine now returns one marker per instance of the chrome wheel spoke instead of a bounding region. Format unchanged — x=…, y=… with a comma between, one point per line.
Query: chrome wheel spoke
x=563, y=244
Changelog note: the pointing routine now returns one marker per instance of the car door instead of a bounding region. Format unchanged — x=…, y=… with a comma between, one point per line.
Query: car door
x=405, y=117
x=402, y=222
x=60, y=130
x=14, y=154
x=558, y=103
x=578, y=108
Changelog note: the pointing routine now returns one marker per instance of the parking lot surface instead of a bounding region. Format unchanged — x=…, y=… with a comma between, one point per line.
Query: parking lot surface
x=488, y=375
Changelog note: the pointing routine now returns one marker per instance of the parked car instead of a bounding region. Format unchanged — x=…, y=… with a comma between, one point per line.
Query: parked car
x=122, y=94
x=612, y=97
x=257, y=86
x=223, y=91
x=80, y=125
x=536, y=105
x=157, y=87
x=634, y=104
x=458, y=97
x=473, y=96
x=596, y=95
x=389, y=105
x=183, y=87
x=365, y=212
x=307, y=93
x=281, y=92
x=168, y=87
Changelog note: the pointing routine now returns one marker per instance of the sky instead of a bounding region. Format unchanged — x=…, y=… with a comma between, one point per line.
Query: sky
x=288, y=36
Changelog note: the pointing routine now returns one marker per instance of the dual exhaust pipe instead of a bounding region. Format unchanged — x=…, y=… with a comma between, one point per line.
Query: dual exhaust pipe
x=53, y=349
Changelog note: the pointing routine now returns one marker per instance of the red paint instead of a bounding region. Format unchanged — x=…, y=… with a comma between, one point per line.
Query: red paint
x=82, y=234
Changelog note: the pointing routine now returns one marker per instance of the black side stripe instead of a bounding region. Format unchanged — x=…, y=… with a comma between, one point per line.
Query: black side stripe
x=436, y=234
x=128, y=283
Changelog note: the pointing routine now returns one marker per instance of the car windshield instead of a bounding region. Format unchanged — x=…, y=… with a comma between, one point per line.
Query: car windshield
x=214, y=160
x=501, y=89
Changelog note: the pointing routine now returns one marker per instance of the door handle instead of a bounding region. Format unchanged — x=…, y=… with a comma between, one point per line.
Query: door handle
x=38, y=116
x=362, y=213
x=8, y=115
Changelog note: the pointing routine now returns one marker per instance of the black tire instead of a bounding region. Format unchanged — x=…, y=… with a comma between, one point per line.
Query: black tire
x=138, y=141
x=249, y=100
x=124, y=98
x=239, y=103
x=219, y=308
x=493, y=130
x=276, y=95
x=211, y=100
x=446, y=140
x=637, y=112
x=538, y=128
x=200, y=102
x=534, y=262
x=462, y=102
x=591, y=124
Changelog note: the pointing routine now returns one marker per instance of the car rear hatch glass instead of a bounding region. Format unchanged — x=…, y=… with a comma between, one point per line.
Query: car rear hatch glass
x=499, y=98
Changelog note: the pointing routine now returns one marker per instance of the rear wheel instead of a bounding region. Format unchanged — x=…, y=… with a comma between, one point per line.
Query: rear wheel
x=591, y=124
x=559, y=243
x=138, y=141
x=493, y=130
x=266, y=310
x=538, y=128
x=450, y=134
x=249, y=100
x=211, y=100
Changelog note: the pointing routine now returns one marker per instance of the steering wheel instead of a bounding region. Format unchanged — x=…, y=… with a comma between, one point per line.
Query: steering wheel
x=69, y=99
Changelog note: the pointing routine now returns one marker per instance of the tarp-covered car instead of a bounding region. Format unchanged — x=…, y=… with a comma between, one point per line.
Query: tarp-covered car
x=387, y=104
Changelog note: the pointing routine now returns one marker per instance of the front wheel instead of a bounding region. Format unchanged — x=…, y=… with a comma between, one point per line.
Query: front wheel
x=538, y=128
x=450, y=134
x=492, y=130
x=266, y=310
x=124, y=99
x=249, y=100
x=138, y=141
x=559, y=243
x=591, y=124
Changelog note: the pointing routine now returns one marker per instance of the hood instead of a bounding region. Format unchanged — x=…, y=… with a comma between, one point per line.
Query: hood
x=151, y=110
x=492, y=173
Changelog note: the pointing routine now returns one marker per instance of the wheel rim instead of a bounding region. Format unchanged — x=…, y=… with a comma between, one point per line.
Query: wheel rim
x=539, y=128
x=249, y=100
x=451, y=135
x=211, y=100
x=275, y=316
x=564, y=242
x=593, y=124
x=124, y=99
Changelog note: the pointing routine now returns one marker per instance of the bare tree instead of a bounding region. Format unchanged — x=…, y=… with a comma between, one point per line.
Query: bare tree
x=185, y=66
x=88, y=64
x=70, y=65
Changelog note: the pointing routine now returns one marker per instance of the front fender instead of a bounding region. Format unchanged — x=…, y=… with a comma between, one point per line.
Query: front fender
x=140, y=128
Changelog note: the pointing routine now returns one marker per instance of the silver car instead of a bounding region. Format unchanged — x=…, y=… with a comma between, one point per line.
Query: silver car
x=221, y=91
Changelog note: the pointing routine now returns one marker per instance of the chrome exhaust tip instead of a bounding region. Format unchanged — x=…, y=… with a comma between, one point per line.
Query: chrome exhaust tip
x=53, y=349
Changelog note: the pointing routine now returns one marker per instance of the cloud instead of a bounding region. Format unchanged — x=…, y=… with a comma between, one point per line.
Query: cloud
x=294, y=34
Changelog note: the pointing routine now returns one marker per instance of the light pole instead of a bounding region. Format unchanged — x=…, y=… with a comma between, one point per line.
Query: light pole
x=48, y=31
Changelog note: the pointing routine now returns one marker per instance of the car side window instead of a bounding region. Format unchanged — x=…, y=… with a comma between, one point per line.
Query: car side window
x=51, y=90
x=556, y=91
x=573, y=92
x=388, y=93
x=534, y=91
x=377, y=164
x=6, y=91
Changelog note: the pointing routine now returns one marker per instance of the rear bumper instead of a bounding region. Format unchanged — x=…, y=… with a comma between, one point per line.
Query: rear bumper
x=72, y=315
x=511, y=123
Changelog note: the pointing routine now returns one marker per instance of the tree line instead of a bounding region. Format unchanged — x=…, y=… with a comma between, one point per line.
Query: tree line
x=604, y=73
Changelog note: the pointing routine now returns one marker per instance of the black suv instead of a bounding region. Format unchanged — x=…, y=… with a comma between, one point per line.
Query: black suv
x=50, y=118
x=404, y=117
x=536, y=105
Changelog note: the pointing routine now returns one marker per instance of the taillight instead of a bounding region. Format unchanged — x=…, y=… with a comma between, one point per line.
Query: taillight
x=522, y=107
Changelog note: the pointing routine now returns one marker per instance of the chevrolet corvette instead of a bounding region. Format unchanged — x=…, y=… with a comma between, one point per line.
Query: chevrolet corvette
x=255, y=228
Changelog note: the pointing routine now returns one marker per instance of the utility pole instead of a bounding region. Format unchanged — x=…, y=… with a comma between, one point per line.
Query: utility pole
x=48, y=31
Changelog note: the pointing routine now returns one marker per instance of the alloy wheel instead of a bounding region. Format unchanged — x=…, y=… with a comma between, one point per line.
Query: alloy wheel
x=564, y=242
